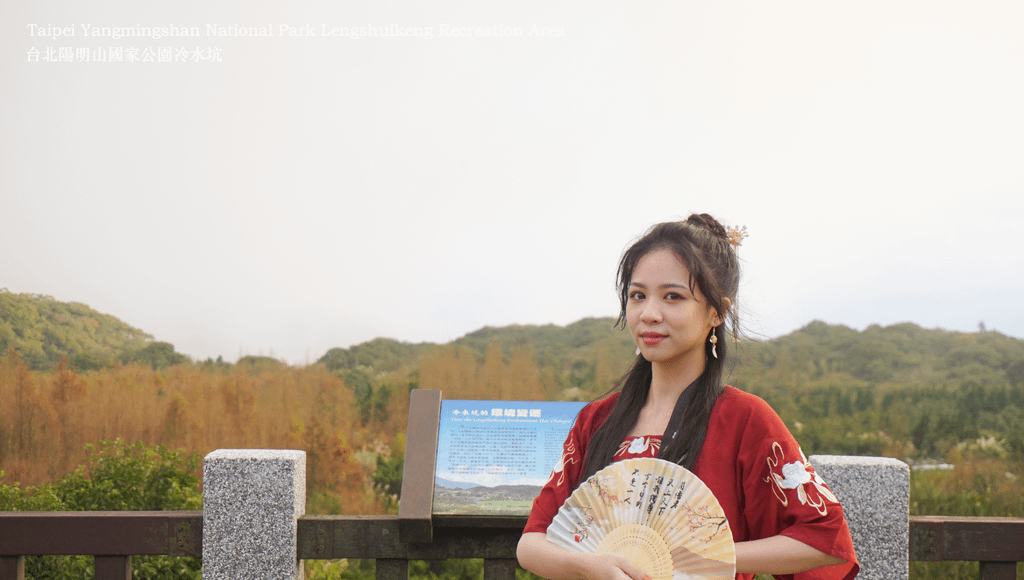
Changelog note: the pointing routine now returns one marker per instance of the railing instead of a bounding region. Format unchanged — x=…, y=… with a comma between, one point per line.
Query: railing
x=114, y=537
x=996, y=543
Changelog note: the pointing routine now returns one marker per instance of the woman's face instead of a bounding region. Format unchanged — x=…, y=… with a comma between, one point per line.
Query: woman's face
x=668, y=322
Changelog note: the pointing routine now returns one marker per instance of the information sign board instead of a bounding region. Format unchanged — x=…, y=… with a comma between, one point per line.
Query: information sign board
x=493, y=457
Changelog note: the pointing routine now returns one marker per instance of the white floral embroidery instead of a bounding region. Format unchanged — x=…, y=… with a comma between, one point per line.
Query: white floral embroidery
x=797, y=475
x=794, y=474
x=647, y=446
x=639, y=445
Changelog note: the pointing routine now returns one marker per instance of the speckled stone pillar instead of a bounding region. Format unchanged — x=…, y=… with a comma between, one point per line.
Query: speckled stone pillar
x=251, y=501
x=875, y=493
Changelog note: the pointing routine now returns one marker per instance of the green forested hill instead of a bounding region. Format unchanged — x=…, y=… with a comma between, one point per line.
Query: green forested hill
x=577, y=361
x=899, y=390
x=903, y=353
x=551, y=345
x=554, y=344
x=378, y=355
x=42, y=331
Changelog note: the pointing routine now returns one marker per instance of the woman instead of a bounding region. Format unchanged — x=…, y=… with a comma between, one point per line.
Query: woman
x=677, y=285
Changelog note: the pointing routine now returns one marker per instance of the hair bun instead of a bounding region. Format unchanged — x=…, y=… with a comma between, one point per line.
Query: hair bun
x=709, y=223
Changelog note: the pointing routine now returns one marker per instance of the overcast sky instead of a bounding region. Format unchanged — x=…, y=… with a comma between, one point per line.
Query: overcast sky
x=417, y=179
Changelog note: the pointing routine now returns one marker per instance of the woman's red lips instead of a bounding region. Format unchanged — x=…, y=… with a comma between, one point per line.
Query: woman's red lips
x=652, y=338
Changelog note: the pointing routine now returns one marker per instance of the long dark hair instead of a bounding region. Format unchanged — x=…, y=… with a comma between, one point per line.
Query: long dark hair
x=702, y=245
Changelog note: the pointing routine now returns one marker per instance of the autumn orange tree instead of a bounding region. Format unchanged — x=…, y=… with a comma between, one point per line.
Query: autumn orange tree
x=53, y=415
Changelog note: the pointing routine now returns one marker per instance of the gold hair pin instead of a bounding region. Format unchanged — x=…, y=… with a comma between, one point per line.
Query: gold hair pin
x=736, y=235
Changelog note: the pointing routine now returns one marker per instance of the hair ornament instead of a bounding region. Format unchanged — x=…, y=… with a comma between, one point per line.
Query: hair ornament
x=735, y=236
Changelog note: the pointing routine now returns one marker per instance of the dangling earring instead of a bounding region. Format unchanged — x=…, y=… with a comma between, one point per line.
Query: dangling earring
x=713, y=340
x=638, y=349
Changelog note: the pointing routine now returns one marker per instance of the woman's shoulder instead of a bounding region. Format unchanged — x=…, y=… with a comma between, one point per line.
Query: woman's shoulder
x=596, y=411
x=600, y=407
x=736, y=406
x=737, y=399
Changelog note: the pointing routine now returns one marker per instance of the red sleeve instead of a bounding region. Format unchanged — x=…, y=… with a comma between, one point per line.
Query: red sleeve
x=784, y=496
x=566, y=474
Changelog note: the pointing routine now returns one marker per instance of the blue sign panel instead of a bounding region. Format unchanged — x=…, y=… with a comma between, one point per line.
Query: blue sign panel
x=493, y=457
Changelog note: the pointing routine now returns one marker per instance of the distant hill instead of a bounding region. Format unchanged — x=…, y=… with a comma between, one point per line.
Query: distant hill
x=447, y=483
x=578, y=361
x=42, y=331
x=579, y=356
x=901, y=353
x=550, y=343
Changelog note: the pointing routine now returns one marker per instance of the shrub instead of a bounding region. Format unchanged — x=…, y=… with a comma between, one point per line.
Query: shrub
x=115, y=477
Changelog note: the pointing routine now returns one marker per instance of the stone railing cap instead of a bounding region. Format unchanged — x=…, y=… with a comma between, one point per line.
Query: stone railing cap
x=255, y=454
x=856, y=460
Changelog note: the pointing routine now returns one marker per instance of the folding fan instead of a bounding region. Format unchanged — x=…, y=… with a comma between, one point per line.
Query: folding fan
x=656, y=514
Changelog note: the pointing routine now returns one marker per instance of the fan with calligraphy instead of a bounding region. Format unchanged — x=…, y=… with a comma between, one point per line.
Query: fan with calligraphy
x=656, y=514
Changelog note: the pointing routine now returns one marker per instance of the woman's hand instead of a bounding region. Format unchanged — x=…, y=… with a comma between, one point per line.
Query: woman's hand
x=538, y=555
x=610, y=567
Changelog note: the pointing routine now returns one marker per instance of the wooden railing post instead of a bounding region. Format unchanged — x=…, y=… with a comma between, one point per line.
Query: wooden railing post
x=113, y=567
x=12, y=567
x=499, y=569
x=997, y=570
x=391, y=569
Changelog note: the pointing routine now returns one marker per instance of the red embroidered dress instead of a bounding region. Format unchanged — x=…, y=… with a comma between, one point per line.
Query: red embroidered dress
x=750, y=462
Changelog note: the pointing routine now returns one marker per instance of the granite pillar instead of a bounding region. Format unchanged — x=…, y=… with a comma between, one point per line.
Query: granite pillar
x=252, y=499
x=875, y=493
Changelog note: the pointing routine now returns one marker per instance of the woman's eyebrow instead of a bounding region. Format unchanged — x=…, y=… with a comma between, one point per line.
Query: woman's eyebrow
x=667, y=285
